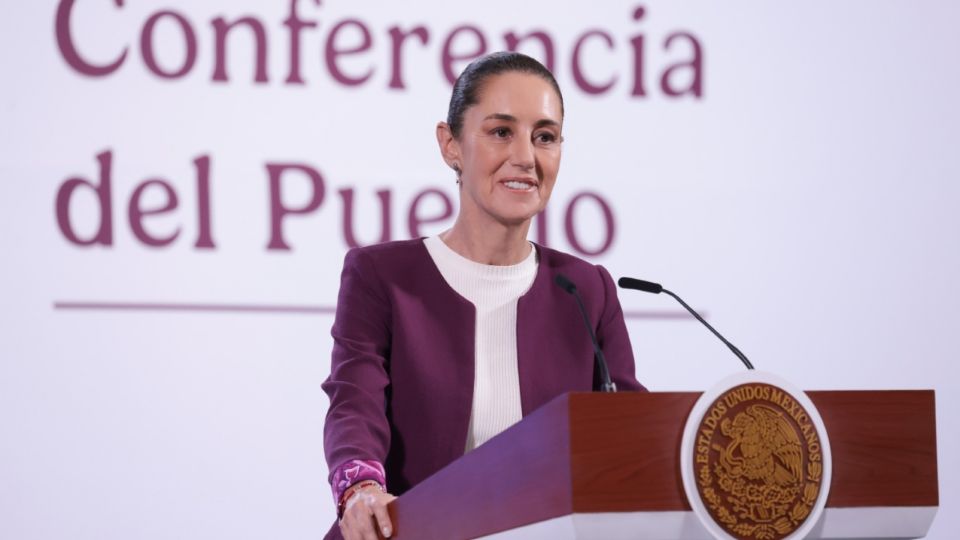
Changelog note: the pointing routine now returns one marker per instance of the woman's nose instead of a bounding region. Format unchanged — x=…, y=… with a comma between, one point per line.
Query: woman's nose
x=523, y=154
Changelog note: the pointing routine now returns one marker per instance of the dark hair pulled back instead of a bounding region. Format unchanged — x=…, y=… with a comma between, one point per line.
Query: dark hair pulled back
x=466, y=91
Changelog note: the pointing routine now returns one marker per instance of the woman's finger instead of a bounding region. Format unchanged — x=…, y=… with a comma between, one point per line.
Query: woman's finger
x=382, y=516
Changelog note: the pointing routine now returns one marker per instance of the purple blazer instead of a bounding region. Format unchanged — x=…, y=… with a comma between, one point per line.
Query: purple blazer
x=401, y=379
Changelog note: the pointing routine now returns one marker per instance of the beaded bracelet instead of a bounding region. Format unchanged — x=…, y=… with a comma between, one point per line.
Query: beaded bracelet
x=352, y=490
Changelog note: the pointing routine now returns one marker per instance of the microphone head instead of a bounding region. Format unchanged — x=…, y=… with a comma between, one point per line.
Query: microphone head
x=565, y=283
x=640, y=285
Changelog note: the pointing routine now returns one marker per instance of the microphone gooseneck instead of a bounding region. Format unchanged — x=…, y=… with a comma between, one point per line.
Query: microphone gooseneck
x=656, y=288
x=606, y=385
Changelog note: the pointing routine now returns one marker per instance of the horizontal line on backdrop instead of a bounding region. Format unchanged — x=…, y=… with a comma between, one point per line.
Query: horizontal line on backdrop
x=184, y=306
x=277, y=308
x=662, y=315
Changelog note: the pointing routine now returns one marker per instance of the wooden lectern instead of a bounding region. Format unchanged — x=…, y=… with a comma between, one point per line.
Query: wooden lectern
x=589, y=465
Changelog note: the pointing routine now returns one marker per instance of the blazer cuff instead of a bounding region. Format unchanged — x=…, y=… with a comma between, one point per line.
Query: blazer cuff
x=356, y=470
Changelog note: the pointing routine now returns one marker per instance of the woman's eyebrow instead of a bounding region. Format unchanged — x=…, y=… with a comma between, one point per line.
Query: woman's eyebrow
x=546, y=122
x=510, y=118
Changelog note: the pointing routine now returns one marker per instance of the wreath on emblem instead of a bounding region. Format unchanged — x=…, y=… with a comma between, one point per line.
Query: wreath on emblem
x=760, y=476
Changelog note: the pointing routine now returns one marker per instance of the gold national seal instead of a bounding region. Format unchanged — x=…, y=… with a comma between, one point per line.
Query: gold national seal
x=758, y=462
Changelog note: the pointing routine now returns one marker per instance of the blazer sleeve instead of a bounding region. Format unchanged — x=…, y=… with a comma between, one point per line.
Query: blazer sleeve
x=614, y=340
x=356, y=426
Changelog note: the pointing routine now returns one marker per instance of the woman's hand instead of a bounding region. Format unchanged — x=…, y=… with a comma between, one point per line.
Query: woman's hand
x=364, y=513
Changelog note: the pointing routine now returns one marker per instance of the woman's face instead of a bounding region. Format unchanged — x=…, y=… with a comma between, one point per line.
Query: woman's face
x=508, y=149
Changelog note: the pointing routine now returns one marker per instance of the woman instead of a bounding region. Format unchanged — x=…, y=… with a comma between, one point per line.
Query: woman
x=441, y=343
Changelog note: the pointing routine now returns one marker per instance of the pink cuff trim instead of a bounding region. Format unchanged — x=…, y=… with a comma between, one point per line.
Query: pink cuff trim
x=356, y=470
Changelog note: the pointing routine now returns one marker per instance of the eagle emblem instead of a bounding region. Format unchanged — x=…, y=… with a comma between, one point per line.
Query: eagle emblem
x=763, y=447
x=756, y=472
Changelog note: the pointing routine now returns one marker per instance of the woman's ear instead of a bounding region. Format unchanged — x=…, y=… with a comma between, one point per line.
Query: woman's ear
x=449, y=146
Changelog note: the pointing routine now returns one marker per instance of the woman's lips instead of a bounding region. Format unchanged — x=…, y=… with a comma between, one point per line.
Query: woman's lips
x=519, y=184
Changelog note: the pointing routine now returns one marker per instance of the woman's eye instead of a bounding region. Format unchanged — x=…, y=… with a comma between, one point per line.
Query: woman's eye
x=501, y=132
x=546, y=138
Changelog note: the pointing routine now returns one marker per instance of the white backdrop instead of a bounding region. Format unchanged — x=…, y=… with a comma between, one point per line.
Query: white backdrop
x=806, y=200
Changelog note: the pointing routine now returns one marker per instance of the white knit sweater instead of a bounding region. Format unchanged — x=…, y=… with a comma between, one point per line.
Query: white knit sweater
x=494, y=291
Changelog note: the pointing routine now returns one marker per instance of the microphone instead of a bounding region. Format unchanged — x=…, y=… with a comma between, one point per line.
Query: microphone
x=656, y=288
x=606, y=385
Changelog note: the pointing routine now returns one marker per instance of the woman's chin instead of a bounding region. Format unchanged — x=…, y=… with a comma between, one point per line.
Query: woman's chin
x=518, y=216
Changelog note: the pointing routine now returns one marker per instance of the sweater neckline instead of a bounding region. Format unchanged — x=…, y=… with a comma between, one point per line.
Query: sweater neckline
x=525, y=268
